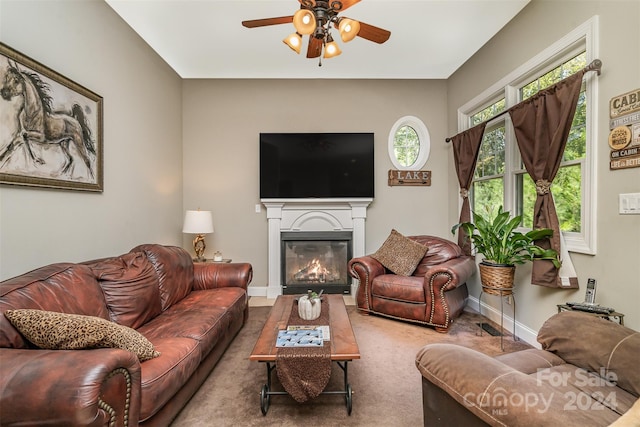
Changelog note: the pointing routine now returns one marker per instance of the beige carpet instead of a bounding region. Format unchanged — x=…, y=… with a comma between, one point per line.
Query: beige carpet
x=386, y=384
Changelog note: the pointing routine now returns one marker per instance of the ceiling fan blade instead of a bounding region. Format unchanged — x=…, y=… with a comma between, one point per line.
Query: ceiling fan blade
x=346, y=4
x=314, y=49
x=373, y=33
x=267, y=21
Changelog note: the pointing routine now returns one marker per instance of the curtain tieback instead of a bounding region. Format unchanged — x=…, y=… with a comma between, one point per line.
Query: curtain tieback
x=464, y=193
x=542, y=187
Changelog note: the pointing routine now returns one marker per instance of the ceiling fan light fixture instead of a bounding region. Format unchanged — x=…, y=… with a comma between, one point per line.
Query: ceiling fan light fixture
x=305, y=21
x=349, y=29
x=294, y=41
x=331, y=48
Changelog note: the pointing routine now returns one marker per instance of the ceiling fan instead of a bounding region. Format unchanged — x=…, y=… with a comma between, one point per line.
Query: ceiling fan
x=315, y=19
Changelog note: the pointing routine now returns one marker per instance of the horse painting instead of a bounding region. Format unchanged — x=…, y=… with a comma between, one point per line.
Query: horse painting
x=38, y=123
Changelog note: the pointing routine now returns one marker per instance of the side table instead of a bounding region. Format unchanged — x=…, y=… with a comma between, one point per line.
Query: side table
x=613, y=316
x=226, y=260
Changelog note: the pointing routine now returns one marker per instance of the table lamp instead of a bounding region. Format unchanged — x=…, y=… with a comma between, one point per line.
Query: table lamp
x=198, y=223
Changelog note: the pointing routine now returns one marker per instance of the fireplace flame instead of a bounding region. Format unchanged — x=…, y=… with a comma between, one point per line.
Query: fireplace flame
x=314, y=271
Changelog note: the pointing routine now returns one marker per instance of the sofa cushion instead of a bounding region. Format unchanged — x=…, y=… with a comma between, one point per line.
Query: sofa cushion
x=174, y=268
x=400, y=254
x=62, y=331
x=61, y=287
x=596, y=345
x=204, y=316
x=130, y=287
x=162, y=377
x=399, y=288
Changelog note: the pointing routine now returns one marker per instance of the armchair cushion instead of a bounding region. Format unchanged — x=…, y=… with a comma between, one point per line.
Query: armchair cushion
x=400, y=254
x=61, y=331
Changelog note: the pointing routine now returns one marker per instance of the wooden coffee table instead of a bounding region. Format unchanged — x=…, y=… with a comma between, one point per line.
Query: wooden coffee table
x=344, y=347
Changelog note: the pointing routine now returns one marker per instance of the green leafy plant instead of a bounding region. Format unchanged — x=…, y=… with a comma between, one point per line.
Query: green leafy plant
x=500, y=243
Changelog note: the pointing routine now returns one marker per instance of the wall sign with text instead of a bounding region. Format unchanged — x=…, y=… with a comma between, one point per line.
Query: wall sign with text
x=401, y=177
x=624, y=135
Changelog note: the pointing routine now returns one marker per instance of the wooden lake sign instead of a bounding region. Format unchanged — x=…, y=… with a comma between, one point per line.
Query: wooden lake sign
x=397, y=177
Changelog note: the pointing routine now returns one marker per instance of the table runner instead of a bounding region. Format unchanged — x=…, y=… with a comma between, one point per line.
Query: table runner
x=304, y=371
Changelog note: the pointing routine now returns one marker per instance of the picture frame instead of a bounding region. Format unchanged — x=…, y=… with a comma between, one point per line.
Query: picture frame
x=51, y=128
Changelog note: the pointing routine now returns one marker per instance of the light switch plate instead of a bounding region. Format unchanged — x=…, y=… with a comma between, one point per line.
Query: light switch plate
x=629, y=204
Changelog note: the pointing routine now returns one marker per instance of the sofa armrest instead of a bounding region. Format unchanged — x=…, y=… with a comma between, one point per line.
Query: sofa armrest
x=365, y=269
x=450, y=274
x=498, y=394
x=69, y=387
x=212, y=275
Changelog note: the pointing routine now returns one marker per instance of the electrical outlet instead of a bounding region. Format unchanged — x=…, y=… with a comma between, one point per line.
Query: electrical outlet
x=509, y=299
x=258, y=208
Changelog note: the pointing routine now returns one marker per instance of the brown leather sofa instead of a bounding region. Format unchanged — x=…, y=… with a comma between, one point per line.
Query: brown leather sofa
x=189, y=312
x=434, y=295
x=586, y=374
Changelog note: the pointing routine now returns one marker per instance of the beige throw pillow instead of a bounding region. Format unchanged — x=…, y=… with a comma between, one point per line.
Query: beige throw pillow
x=62, y=331
x=400, y=254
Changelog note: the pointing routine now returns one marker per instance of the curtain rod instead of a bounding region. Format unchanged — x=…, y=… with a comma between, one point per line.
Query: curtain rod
x=596, y=65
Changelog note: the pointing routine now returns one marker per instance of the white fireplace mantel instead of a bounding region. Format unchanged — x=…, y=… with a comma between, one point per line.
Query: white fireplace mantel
x=285, y=215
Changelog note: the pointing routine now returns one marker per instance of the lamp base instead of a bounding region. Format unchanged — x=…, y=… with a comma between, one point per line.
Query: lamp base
x=199, y=246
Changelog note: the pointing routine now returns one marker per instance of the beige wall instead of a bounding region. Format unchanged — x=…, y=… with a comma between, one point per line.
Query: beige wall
x=616, y=265
x=142, y=199
x=222, y=121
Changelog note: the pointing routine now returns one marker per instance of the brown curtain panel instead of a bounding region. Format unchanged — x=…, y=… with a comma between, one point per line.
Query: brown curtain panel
x=466, y=146
x=542, y=125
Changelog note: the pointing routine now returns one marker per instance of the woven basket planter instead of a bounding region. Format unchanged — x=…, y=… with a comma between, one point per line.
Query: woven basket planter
x=497, y=279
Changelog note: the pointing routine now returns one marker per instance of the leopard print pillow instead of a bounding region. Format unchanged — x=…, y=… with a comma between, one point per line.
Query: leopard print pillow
x=62, y=331
x=400, y=254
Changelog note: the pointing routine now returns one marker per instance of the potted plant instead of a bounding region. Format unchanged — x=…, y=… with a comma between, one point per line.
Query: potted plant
x=503, y=247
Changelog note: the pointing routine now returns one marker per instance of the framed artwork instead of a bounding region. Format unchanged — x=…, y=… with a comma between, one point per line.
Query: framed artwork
x=51, y=131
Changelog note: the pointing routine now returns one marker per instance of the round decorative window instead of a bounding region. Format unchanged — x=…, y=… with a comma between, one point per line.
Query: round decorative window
x=409, y=144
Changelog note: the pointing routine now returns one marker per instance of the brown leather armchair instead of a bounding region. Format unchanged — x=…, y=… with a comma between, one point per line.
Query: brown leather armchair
x=434, y=295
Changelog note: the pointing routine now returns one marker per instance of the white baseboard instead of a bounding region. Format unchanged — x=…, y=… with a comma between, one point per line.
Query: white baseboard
x=523, y=332
x=257, y=291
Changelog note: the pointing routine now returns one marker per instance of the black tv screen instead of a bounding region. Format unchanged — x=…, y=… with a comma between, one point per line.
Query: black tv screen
x=316, y=165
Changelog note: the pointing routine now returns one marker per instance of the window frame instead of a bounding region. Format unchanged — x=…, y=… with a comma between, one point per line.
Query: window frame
x=423, y=137
x=583, y=38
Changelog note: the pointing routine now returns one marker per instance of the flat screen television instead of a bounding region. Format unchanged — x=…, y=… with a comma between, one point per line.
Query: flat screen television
x=316, y=165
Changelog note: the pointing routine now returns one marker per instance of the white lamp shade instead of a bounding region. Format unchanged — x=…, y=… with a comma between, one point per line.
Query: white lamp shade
x=198, y=222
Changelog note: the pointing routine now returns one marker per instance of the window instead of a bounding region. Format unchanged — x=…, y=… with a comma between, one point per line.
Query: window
x=500, y=177
x=409, y=144
x=566, y=188
x=488, y=181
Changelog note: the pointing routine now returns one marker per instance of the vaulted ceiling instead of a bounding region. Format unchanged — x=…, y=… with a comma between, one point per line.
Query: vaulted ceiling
x=429, y=39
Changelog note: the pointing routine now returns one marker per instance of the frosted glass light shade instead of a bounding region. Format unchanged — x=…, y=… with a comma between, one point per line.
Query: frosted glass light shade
x=294, y=41
x=198, y=222
x=331, y=49
x=349, y=29
x=305, y=21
